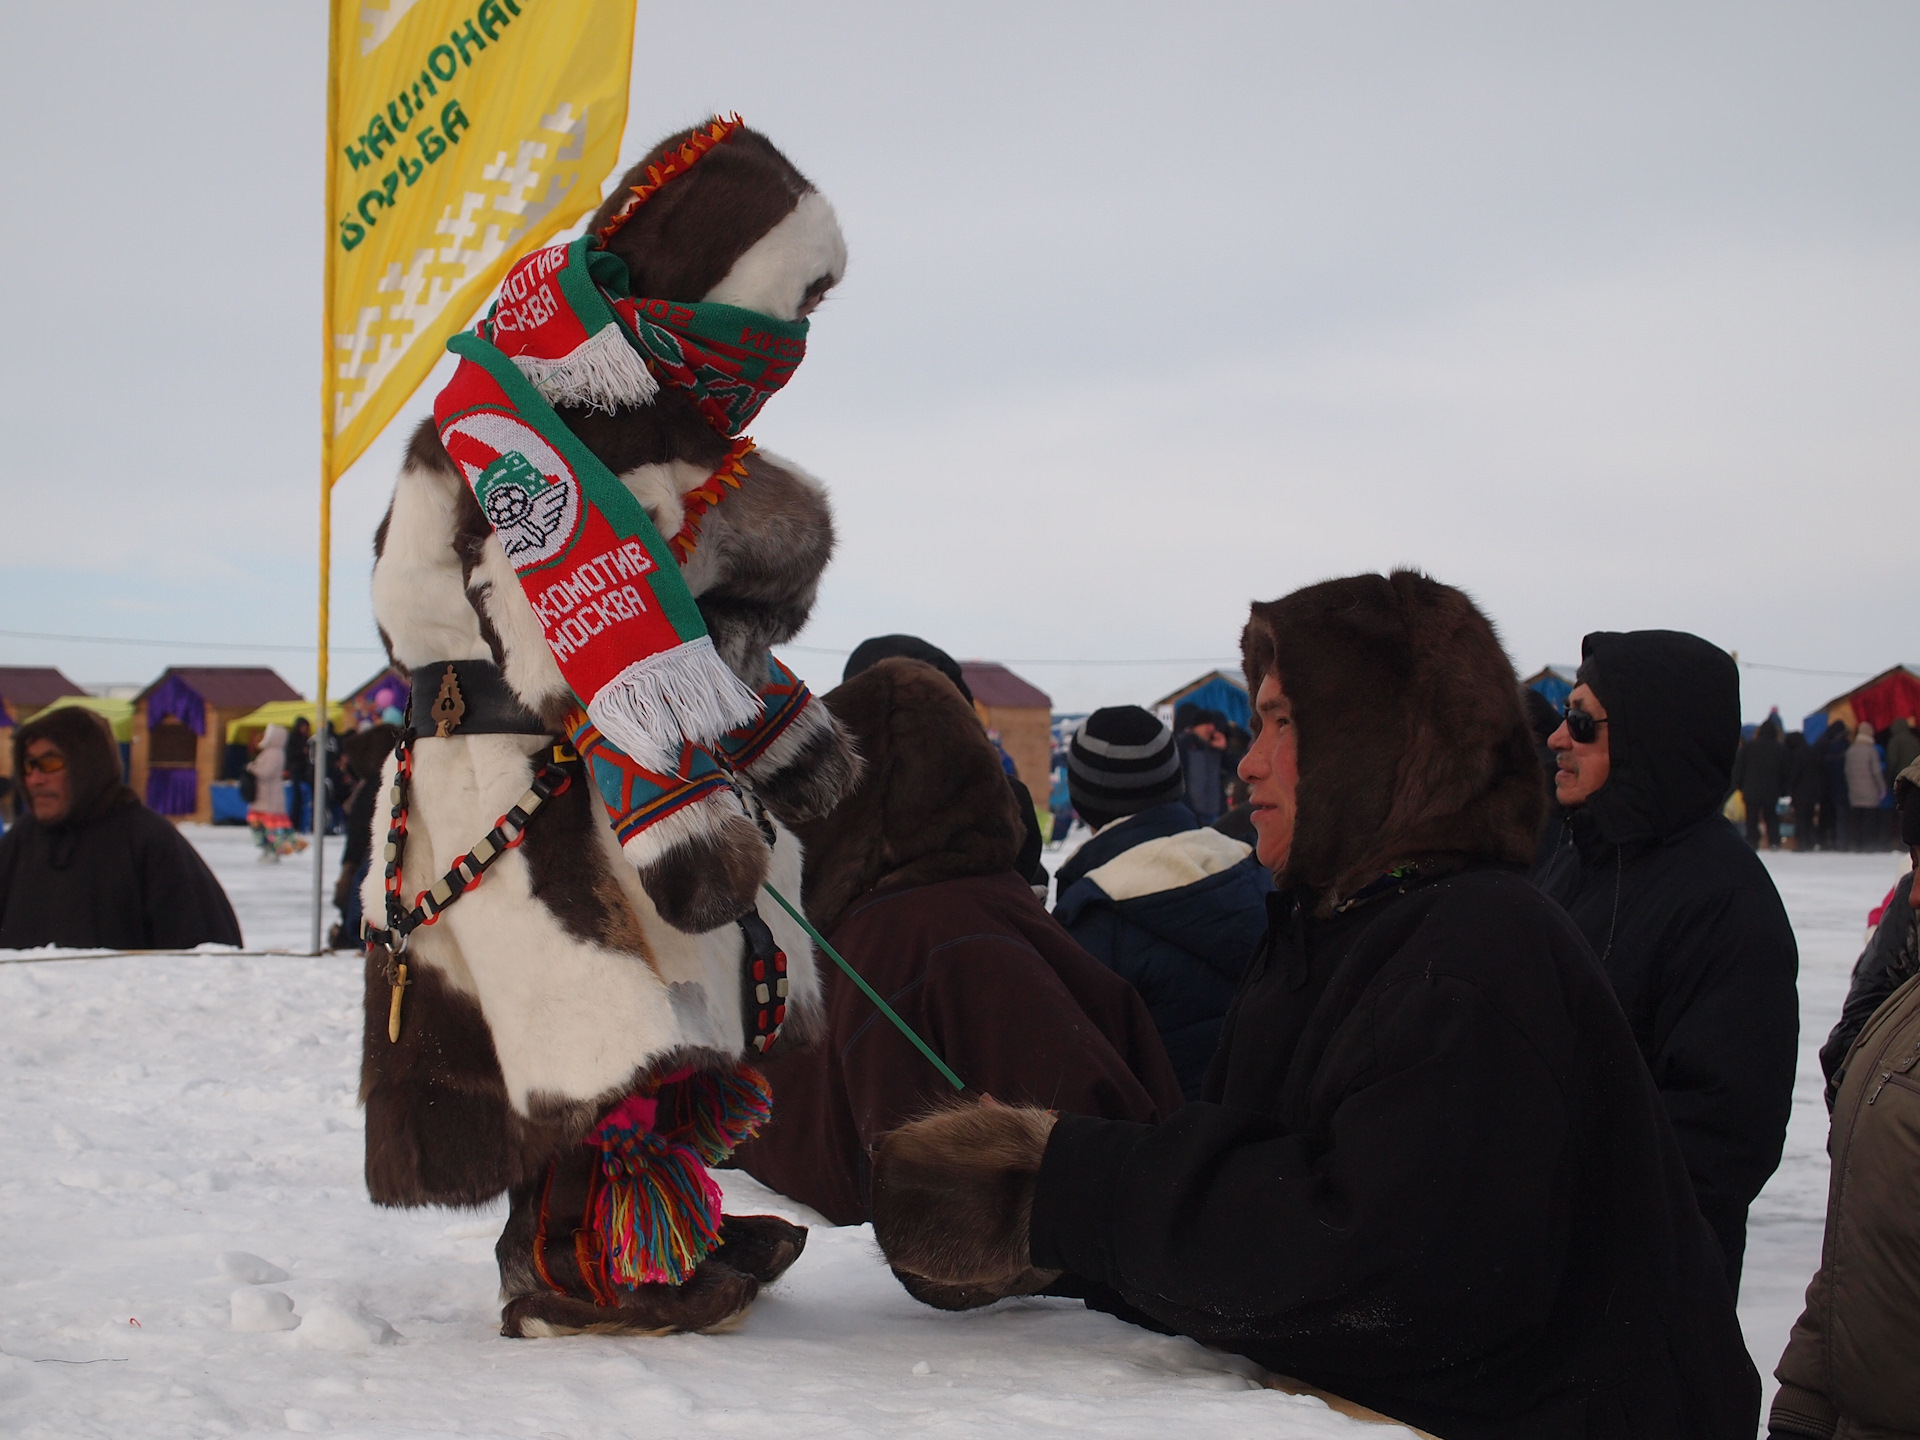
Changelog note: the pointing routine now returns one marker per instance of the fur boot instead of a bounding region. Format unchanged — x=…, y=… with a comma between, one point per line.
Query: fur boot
x=551, y=1282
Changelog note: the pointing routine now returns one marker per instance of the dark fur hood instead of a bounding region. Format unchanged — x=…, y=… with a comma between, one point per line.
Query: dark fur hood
x=933, y=805
x=93, y=761
x=1413, y=742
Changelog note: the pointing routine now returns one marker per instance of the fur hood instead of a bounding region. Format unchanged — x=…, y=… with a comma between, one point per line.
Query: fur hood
x=93, y=761
x=1413, y=741
x=933, y=804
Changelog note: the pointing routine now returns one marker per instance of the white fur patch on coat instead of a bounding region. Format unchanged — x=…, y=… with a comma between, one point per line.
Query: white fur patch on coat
x=773, y=276
x=570, y=1019
x=419, y=593
x=1169, y=863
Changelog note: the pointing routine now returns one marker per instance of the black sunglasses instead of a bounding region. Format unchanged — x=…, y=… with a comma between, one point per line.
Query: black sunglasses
x=1581, y=726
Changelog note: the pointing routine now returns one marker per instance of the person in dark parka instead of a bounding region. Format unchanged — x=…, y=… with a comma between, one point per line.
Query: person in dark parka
x=872, y=651
x=1684, y=917
x=1171, y=906
x=911, y=877
x=88, y=866
x=1431, y=1173
x=1760, y=775
x=1892, y=956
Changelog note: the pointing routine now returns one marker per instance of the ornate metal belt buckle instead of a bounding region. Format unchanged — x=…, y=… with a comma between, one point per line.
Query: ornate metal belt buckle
x=449, y=706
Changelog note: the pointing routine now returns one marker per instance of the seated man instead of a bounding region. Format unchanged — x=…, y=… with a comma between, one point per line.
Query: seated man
x=88, y=866
x=912, y=880
x=1174, y=908
x=1432, y=1173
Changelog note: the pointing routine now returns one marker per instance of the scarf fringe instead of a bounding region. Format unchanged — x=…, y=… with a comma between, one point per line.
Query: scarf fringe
x=683, y=693
x=601, y=373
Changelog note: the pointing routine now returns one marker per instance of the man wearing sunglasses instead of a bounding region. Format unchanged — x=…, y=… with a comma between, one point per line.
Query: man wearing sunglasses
x=1681, y=912
x=88, y=866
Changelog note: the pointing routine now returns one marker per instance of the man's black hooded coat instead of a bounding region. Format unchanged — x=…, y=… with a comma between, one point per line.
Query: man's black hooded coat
x=1684, y=916
x=1431, y=1173
x=113, y=875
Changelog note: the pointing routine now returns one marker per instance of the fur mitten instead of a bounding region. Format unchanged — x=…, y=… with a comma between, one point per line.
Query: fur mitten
x=973, y=1297
x=953, y=1195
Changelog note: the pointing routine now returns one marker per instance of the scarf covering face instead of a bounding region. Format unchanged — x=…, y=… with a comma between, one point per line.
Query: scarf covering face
x=565, y=330
x=565, y=319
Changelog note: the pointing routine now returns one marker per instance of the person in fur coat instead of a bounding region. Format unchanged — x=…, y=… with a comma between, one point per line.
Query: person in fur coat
x=582, y=1004
x=913, y=878
x=1430, y=1173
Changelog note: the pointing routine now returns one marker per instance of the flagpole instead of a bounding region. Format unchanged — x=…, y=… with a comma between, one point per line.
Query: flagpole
x=319, y=746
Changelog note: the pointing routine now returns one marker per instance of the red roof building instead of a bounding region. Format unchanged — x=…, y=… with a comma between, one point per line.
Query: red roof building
x=1020, y=714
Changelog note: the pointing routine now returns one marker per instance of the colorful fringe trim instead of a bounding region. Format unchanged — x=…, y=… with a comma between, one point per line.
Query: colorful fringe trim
x=656, y=1211
x=703, y=497
x=678, y=162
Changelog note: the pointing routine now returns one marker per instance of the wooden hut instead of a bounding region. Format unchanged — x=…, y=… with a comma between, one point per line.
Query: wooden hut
x=24, y=691
x=1222, y=691
x=1022, y=714
x=1556, y=682
x=180, y=731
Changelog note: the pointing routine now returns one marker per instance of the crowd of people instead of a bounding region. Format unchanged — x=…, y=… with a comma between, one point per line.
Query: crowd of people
x=1831, y=793
x=1415, y=1040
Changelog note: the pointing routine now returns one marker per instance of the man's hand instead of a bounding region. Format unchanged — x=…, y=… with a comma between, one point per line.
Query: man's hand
x=953, y=1195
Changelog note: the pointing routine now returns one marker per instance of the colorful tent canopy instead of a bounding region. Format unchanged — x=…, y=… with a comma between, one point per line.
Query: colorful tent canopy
x=1889, y=696
x=281, y=712
x=117, y=713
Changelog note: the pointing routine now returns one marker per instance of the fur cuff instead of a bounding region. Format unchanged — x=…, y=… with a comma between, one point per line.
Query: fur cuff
x=953, y=1195
x=808, y=769
x=703, y=865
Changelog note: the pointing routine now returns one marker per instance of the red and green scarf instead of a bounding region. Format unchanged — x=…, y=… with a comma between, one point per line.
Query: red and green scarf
x=608, y=593
x=618, y=618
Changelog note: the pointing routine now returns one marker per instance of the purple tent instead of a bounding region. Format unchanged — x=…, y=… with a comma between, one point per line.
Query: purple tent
x=173, y=785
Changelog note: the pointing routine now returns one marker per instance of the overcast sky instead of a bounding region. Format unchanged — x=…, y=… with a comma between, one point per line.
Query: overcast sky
x=1607, y=314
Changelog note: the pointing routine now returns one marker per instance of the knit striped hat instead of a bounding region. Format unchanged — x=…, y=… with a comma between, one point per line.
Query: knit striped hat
x=1121, y=760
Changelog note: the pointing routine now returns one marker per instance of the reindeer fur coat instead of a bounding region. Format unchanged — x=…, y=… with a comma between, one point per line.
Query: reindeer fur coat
x=577, y=971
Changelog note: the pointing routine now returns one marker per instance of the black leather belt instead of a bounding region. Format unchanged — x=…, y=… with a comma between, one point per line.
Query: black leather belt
x=452, y=698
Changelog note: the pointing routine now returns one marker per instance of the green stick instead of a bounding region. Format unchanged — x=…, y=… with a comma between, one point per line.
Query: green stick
x=872, y=994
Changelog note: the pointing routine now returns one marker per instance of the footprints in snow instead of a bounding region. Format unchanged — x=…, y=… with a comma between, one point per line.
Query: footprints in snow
x=330, y=1324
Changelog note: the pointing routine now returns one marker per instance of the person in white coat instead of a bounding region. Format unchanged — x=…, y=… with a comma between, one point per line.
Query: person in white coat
x=1866, y=788
x=267, y=807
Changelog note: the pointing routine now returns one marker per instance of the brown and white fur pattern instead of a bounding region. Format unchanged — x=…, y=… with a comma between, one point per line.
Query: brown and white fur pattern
x=576, y=971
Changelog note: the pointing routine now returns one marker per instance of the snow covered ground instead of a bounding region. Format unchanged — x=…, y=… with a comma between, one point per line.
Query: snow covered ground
x=179, y=1130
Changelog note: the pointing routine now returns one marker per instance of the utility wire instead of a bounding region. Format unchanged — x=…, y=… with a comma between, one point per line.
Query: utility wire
x=1033, y=660
x=1797, y=670
x=187, y=644
x=1209, y=660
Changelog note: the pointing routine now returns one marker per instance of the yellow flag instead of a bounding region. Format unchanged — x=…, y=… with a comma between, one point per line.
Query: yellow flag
x=462, y=134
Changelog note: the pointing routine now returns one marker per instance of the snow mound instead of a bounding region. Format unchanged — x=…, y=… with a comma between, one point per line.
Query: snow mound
x=349, y=1329
x=249, y=1269
x=260, y=1310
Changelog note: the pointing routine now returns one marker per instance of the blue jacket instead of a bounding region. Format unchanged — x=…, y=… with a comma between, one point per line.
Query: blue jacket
x=1176, y=910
